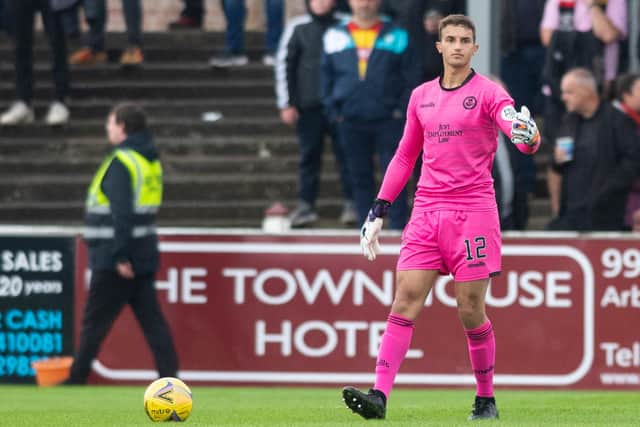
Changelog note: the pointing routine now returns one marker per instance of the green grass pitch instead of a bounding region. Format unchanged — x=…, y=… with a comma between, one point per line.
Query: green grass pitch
x=96, y=406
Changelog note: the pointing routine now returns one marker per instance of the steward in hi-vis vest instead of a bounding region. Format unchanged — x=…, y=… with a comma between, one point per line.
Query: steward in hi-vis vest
x=120, y=230
x=121, y=206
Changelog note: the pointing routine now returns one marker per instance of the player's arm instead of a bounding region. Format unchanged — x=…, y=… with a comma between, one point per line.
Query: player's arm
x=395, y=178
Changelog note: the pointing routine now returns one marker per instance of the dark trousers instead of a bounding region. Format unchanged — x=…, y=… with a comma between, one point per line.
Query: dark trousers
x=22, y=14
x=362, y=142
x=96, y=14
x=313, y=127
x=108, y=294
x=521, y=71
x=2, y=17
x=235, y=12
x=193, y=9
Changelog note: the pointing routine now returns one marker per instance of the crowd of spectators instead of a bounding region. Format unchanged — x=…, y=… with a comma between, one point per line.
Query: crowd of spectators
x=565, y=59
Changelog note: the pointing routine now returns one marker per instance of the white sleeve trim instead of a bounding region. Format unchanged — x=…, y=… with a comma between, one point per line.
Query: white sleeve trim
x=282, y=91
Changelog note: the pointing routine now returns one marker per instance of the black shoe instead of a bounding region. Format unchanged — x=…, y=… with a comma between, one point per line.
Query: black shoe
x=484, y=408
x=370, y=405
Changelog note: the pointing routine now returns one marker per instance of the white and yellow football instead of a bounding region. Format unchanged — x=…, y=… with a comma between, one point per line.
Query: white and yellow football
x=168, y=399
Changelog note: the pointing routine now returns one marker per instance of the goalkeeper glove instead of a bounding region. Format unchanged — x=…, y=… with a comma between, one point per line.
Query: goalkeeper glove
x=372, y=227
x=524, y=129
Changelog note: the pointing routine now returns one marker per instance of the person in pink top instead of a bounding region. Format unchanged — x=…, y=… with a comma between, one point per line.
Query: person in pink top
x=454, y=227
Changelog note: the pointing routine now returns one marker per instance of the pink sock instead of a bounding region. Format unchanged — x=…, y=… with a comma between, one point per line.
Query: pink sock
x=482, y=352
x=393, y=348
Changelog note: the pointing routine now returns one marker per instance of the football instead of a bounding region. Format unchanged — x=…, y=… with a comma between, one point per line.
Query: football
x=168, y=399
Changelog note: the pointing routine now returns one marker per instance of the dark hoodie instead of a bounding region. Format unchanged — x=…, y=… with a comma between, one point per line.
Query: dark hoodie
x=298, y=60
x=116, y=185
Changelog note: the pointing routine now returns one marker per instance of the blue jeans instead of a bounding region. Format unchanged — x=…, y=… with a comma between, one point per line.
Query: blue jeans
x=235, y=12
x=362, y=141
x=312, y=129
x=96, y=15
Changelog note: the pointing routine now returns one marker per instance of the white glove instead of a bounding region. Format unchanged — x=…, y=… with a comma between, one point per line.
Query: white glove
x=369, y=238
x=524, y=129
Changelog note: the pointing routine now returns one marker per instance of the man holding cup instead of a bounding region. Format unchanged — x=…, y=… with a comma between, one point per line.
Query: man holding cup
x=595, y=158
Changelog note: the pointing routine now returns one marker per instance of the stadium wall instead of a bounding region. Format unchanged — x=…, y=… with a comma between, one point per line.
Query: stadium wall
x=306, y=308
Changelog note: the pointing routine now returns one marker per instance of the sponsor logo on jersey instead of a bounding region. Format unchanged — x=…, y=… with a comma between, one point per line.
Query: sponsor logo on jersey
x=444, y=132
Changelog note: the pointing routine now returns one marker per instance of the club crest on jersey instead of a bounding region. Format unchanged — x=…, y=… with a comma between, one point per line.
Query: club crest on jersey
x=508, y=113
x=470, y=102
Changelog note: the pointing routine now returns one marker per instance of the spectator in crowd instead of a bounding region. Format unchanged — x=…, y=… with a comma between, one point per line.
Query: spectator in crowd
x=512, y=195
x=96, y=15
x=522, y=52
x=120, y=233
x=234, y=53
x=596, y=157
x=510, y=182
x=628, y=101
x=191, y=16
x=21, y=13
x=366, y=98
x=579, y=33
x=420, y=18
x=523, y=56
x=297, y=74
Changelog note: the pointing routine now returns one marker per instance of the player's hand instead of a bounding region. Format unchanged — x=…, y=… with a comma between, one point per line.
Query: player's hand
x=369, y=238
x=371, y=229
x=523, y=129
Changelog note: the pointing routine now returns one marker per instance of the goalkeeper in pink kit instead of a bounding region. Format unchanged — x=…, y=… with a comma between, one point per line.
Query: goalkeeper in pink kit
x=454, y=227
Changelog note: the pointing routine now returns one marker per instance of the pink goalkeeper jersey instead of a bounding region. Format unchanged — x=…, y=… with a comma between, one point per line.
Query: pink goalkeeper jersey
x=457, y=131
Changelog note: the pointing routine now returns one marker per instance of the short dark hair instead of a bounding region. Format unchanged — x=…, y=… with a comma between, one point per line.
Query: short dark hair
x=131, y=117
x=624, y=84
x=457, y=20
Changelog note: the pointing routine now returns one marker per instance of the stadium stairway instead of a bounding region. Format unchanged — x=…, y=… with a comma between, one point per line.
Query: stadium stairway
x=222, y=173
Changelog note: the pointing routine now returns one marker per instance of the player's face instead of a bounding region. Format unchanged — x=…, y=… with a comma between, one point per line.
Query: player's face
x=115, y=131
x=321, y=7
x=365, y=9
x=456, y=46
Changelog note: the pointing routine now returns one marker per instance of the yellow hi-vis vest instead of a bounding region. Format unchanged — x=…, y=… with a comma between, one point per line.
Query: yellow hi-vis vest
x=146, y=185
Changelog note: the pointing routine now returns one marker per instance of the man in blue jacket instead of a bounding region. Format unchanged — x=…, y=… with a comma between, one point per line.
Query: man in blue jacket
x=368, y=72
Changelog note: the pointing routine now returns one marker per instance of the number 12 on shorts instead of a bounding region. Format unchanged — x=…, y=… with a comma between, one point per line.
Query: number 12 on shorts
x=477, y=248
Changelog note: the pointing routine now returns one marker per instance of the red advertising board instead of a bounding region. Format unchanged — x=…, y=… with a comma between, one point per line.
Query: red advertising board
x=310, y=309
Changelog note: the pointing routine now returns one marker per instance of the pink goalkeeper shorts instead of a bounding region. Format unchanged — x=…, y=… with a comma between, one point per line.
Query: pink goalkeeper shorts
x=466, y=244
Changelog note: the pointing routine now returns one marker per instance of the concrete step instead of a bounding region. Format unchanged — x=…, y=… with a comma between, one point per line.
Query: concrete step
x=212, y=146
x=184, y=187
x=149, y=71
x=169, y=40
x=162, y=109
x=124, y=89
x=172, y=213
x=172, y=165
x=184, y=53
x=175, y=128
